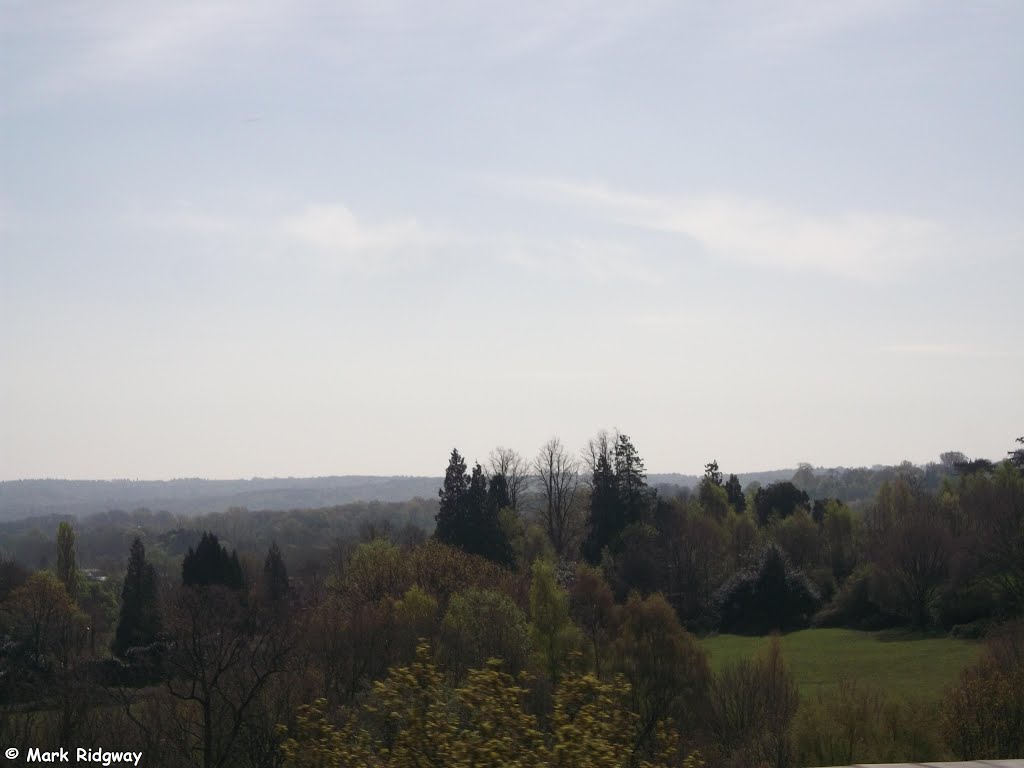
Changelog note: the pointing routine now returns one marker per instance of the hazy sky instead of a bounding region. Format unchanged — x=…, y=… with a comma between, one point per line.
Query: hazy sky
x=318, y=237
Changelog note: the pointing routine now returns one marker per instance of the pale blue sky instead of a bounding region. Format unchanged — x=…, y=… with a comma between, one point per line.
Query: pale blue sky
x=315, y=237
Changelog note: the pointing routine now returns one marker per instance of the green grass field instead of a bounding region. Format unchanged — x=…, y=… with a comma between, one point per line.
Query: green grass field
x=896, y=663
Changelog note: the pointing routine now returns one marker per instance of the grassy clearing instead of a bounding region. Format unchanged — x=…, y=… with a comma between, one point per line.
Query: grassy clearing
x=899, y=664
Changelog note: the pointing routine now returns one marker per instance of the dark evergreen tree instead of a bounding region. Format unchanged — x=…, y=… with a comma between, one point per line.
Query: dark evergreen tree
x=275, y=577
x=473, y=532
x=780, y=499
x=497, y=494
x=210, y=564
x=467, y=517
x=139, y=623
x=631, y=482
x=497, y=547
x=607, y=515
x=768, y=596
x=452, y=501
x=734, y=491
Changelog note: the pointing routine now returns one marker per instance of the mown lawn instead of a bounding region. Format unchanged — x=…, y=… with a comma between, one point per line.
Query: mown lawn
x=899, y=664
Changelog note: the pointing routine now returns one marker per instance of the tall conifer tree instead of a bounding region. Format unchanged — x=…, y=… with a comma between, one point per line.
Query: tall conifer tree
x=452, y=501
x=139, y=623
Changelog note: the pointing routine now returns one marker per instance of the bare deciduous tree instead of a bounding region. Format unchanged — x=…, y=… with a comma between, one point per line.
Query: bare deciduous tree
x=223, y=655
x=508, y=462
x=603, y=445
x=558, y=472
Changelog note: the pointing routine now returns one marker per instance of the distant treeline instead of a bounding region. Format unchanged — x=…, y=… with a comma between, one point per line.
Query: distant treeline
x=196, y=496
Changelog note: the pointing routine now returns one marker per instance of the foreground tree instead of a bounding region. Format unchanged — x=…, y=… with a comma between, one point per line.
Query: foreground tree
x=421, y=721
x=751, y=706
x=222, y=659
x=665, y=666
x=50, y=634
x=983, y=718
x=45, y=620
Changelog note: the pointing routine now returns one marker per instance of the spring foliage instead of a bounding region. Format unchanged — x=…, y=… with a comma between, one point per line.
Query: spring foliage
x=413, y=719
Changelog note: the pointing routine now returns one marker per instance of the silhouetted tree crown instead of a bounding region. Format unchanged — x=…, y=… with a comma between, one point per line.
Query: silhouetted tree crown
x=452, y=501
x=781, y=499
x=712, y=474
x=467, y=515
x=619, y=495
x=210, y=564
x=734, y=492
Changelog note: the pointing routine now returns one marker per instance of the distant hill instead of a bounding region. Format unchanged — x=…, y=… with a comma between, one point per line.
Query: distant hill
x=194, y=496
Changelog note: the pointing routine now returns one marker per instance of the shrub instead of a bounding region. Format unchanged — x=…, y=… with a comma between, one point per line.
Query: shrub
x=751, y=706
x=983, y=718
x=768, y=596
x=856, y=724
x=855, y=605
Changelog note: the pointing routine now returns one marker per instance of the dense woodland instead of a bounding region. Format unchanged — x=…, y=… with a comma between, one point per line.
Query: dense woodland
x=540, y=611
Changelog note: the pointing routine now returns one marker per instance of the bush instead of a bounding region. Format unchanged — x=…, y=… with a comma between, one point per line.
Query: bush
x=751, y=706
x=769, y=596
x=855, y=605
x=965, y=606
x=856, y=724
x=983, y=718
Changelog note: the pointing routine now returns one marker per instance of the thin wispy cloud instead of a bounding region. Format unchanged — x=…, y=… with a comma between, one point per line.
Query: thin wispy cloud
x=337, y=232
x=855, y=244
x=125, y=42
x=573, y=258
x=757, y=27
